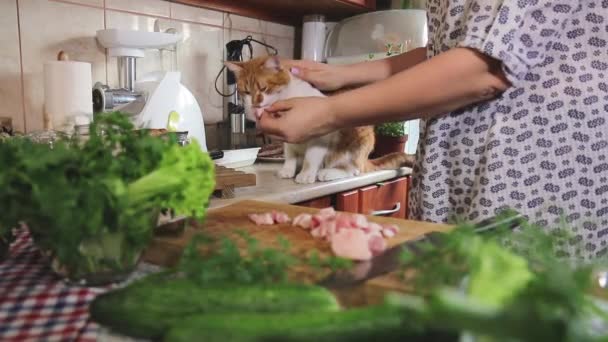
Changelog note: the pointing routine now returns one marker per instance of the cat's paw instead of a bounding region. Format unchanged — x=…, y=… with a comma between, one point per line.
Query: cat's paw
x=326, y=175
x=306, y=177
x=286, y=172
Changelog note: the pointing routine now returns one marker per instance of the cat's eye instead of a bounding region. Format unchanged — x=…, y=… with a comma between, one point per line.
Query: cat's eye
x=245, y=92
x=263, y=89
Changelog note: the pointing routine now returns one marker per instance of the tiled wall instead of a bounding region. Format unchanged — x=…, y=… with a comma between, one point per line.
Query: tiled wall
x=34, y=31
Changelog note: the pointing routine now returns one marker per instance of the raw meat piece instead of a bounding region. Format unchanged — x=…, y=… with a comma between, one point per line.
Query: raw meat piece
x=389, y=230
x=269, y=218
x=280, y=217
x=317, y=232
x=262, y=219
x=388, y=233
x=351, y=244
x=344, y=221
x=376, y=244
x=303, y=220
x=327, y=212
x=360, y=221
x=374, y=228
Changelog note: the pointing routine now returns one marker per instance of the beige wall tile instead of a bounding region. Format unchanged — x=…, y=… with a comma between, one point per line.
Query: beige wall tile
x=285, y=46
x=96, y=3
x=199, y=59
x=11, y=101
x=195, y=14
x=236, y=22
x=67, y=27
x=153, y=60
x=280, y=30
x=151, y=7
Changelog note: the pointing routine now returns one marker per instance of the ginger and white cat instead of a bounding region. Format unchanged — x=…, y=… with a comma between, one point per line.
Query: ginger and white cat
x=341, y=154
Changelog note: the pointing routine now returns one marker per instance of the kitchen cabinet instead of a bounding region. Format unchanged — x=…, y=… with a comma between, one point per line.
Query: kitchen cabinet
x=382, y=199
x=319, y=203
x=385, y=199
x=348, y=201
x=289, y=12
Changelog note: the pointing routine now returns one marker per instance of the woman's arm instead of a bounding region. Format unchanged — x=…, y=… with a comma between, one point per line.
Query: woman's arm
x=333, y=77
x=373, y=71
x=449, y=81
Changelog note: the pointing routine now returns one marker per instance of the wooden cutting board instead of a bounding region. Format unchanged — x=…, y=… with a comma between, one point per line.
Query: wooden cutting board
x=226, y=180
x=166, y=251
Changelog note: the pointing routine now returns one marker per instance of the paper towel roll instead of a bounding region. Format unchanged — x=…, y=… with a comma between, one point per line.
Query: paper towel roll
x=68, y=98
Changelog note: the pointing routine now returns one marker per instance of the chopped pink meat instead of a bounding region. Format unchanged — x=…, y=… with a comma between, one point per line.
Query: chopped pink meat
x=262, y=219
x=327, y=212
x=303, y=220
x=392, y=227
x=330, y=226
x=280, y=217
x=374, y=227
x=351, y=244
x=351, y=236
x=360, y=221
x=389, y=230
x=388, y=233
x=269, y=218
x=317, y=232
x=344, y=221
x=376, y=244
x=322, y=215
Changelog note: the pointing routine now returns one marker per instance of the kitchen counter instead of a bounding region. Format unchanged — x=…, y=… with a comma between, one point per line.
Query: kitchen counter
x=270, y=188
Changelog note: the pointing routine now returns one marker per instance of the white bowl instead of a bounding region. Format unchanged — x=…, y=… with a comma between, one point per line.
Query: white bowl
x=238, y=158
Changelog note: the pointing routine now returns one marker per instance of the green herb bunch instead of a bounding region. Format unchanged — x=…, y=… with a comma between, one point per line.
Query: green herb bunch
x=209, y=261
x=499, y=291
x=93, y=205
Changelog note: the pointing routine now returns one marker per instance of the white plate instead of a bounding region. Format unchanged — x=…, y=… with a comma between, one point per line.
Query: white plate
x=238, y=158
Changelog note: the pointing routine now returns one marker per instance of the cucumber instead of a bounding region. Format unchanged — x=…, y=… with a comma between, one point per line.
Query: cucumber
x=382, y=323
x=147, y=307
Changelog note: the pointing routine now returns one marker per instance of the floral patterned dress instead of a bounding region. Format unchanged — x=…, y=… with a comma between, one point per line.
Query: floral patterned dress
x=542, y=146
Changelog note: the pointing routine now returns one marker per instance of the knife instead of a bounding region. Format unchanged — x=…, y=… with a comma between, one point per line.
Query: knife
x=390, y=260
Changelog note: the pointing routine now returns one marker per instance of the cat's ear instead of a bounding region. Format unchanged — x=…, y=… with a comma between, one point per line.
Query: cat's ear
x=273, y=63
x=235, y=67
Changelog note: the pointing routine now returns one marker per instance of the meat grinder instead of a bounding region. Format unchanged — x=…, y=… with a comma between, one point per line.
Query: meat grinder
x=156, y=100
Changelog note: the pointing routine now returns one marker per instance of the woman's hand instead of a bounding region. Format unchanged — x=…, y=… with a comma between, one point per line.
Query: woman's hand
x=299, y=119
x=323, y=76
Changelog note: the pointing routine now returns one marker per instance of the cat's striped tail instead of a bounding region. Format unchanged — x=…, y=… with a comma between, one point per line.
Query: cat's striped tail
x=390, y=161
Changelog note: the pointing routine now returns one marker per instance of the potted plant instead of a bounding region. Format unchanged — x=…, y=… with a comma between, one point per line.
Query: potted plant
x=390, y=137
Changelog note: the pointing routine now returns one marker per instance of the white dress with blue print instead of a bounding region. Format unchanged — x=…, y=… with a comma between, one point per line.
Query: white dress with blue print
x=542, y=146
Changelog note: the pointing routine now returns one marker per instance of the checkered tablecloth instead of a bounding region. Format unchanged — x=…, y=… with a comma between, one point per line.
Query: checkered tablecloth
x=36, y=305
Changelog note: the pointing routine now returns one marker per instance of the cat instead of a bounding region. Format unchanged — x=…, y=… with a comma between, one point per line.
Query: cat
x=345, y=153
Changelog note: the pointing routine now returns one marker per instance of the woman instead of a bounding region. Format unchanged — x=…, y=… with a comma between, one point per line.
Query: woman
x=514, y=102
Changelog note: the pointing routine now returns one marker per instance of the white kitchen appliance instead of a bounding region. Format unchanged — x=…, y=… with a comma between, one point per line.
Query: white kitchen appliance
x=314, y=35
x=378, y=35
x=153, y=98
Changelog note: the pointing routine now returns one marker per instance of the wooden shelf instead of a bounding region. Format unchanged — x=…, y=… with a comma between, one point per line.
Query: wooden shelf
x=289, y=12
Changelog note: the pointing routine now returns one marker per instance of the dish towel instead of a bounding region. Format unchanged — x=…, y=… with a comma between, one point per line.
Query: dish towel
x=36, y=305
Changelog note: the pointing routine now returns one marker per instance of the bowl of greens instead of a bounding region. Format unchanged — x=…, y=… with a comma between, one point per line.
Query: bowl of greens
x=91, y=206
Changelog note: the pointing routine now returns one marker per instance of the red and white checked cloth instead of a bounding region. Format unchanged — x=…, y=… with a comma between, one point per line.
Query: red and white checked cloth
x=36, y=305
